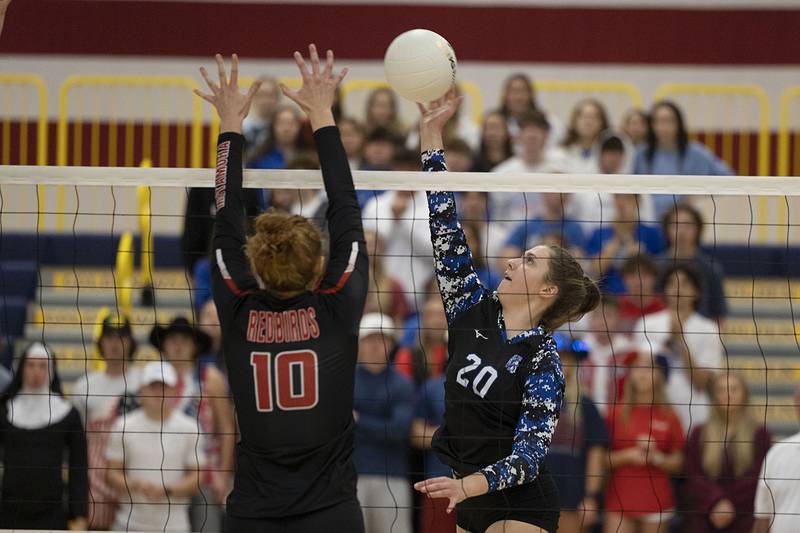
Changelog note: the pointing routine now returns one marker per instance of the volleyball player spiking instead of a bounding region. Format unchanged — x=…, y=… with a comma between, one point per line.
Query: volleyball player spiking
x=504, y=385
x=289, y=325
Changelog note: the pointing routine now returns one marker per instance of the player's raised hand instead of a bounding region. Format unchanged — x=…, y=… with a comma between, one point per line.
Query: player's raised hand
x=231, y=104
x=433, y=118
x=318, y=92
x=3, y=7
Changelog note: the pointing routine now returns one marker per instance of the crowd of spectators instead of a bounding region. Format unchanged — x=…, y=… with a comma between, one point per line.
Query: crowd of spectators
x=653, y=433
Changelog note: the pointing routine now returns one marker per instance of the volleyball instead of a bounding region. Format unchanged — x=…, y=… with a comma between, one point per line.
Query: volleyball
x=420, y=65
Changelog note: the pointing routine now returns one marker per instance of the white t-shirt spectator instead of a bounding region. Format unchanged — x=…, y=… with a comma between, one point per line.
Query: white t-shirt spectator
x=159, y=452
x=652, y=332
x=604, y=367
x=777, y=494
x=97, y=395
x=408, y=253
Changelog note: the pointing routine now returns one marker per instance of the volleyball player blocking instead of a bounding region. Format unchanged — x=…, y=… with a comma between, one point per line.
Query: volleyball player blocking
x=289, y=325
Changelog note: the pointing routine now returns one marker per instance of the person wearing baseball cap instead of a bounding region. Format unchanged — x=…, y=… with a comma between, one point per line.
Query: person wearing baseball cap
x=202, y=393
x=383, y=408
x=98, y=396
x=154, y=459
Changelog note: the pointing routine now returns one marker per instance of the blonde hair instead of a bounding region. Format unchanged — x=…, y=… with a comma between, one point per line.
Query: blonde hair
x=659, y=397
x=285, y=252
x=717, y=434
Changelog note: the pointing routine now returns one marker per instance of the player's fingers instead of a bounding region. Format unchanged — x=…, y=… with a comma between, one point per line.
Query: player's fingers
x=207, y=97
x=223, y=80
x=341, y=75
x=211, y=84
x=234, y=70
x=254, y=87
x=328, y=64
x=421, y=108
x=301, y=64
x=312, y=53
x=288, y=93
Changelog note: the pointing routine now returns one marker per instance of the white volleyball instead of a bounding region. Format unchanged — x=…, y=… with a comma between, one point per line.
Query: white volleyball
x=420, y=65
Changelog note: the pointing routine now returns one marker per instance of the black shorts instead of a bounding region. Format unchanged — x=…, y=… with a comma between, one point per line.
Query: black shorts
x=344, y=517
x=534, y=503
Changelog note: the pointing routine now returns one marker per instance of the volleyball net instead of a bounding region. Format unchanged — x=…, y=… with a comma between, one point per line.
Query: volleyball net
x=135, y=247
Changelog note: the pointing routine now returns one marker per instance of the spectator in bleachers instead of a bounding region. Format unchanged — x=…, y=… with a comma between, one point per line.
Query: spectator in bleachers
x=283, y=141
x=626, y=235
x=578, y=451
x=689, y=342
x=459, y=155
x=202, y=394
x=99, y=398
x=614, y=154
x=496, y=144
x=353, y=135
x=473, y=206
x=385, y=294
x=383, y=112
x=723, y=460
x=551, y=220
x=668, y=150
x=646, y=449
x=641, y=297
x=777, y=502
x=380, y=147
x=534, y=157
x=635, y=124
x=683, y=228
x=257, y=125
x=428, y=416
x=383, y=409
x=399, y=219
x=155, y=455
x=588, y=120
x=489, y=276
x=518, y=99
x=609, y=346
x=427, y=358
x=208, y=323
x=39, y=428
x=310, y=203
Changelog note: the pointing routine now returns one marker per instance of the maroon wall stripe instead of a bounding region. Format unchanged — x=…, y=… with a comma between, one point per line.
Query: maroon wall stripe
x=561, y=35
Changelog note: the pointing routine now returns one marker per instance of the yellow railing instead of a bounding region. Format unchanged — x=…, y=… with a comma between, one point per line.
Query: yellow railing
x=467, y=88
x=598, y=89
x=788, y=158
x=11, y=111
x=728, y=93
x=71, y=117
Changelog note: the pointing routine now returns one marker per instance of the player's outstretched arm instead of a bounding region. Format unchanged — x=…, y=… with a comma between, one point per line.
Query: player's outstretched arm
x=230, y=271
x=347, y=271
x=458, y=282
x=3, y=8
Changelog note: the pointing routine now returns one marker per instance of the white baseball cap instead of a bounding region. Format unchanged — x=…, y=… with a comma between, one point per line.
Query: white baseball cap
x=159, y=371
x=373, y=323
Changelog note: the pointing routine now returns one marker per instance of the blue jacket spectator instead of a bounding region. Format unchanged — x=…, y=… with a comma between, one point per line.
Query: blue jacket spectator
x=624, y=237
x=283, y=141
x=668, y=150
x=383, y=408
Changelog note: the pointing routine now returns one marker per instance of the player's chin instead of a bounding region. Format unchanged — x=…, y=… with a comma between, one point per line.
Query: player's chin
x=503, y=286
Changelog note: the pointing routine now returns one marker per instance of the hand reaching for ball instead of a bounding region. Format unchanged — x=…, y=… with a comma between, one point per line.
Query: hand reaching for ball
x=433, y=118
x=318, y=92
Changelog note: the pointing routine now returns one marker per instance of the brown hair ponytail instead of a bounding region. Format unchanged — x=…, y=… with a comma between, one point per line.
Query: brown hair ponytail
x=577, y=293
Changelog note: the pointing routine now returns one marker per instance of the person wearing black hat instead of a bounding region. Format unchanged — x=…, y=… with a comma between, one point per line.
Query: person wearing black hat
x=39, y=428
x=577, y=453
x=97, y=397
x=202, y=393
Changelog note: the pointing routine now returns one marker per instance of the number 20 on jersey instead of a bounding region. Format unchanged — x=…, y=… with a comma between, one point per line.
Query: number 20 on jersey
x=277, y=374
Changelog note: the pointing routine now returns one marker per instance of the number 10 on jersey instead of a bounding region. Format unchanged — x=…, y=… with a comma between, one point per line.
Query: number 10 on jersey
x=292, y=375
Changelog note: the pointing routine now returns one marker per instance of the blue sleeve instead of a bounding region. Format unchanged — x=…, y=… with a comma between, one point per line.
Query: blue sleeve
x=713, y=165
x=541, y=405
x=397, y=427
x=593, y=423
x=595, y=242
x=640, y=165
x=458, y=283
x=655, y=242
x=517, y=236
x=574, y=233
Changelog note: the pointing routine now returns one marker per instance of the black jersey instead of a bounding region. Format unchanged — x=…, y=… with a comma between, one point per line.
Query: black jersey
x=291, y=362
x=502, y=396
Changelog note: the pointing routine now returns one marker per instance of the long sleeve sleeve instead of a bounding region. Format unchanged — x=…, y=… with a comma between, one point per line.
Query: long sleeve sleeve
x=347, y=274
x=541, y=405
x=231, y=278
x=458, y=282
x=78, y=467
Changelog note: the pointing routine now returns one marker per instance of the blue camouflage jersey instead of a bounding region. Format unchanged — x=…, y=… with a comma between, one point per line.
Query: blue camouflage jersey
x=502, y=396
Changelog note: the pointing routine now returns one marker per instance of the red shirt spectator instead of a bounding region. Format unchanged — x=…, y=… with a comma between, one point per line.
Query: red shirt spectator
x=428, y=358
